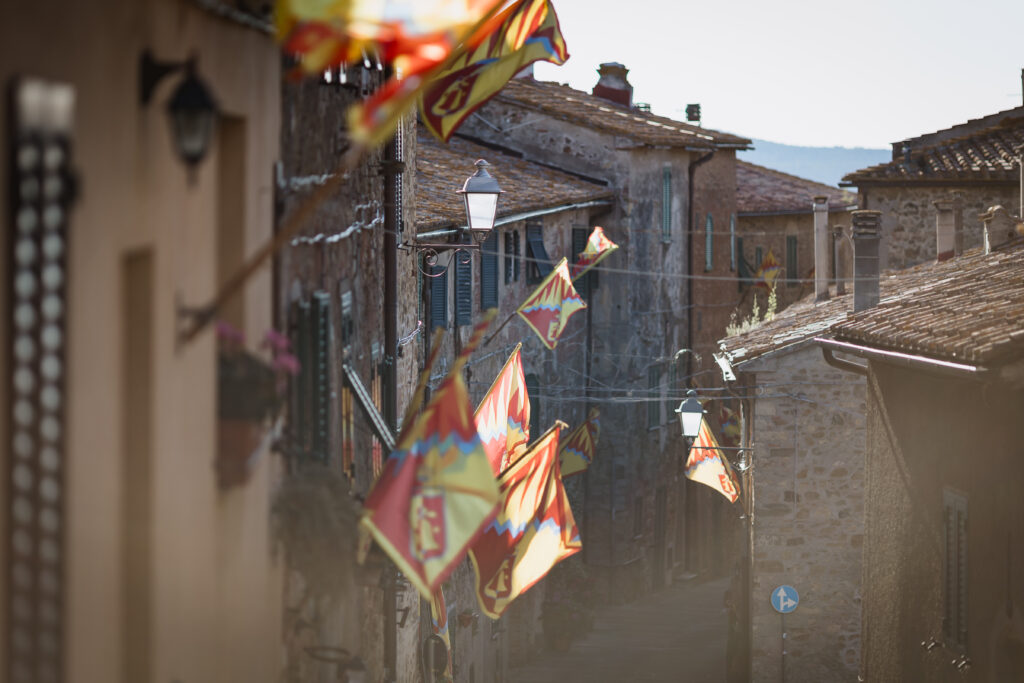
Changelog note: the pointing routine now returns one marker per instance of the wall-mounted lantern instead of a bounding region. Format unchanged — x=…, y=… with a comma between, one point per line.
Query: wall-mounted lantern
x=192, y=111
x=480, y=193
x=691, y=415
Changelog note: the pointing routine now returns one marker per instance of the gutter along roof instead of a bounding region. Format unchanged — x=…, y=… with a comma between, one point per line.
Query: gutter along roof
x=765, y=191
x=576, y=106
x=441, y=169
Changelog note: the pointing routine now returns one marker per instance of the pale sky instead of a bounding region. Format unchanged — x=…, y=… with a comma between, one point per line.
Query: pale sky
x=804, y=72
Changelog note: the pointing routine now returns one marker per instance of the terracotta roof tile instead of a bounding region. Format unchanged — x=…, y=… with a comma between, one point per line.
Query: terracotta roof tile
x=569, y=104
x=985, y=149
x=764, y=190
x=441, y=169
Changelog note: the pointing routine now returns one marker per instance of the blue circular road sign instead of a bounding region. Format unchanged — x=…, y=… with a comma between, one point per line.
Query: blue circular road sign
x=785, y=599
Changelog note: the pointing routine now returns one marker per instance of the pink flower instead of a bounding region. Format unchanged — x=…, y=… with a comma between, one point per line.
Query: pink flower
x=226, y=332
x=277, y=342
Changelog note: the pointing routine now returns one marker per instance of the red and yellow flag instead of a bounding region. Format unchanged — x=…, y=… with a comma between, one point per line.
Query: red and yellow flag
x=767, y=271
x=503, y=416
x=598, y=247
x=551, y=305
x=528, y=32
x=439, y=625
x=706, y=464
x=437, y=491
x=730, y=425
x=533, y=531
x=578, y=451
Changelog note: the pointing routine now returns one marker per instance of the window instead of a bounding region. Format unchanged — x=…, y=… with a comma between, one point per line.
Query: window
x=510, y=250
x=463, y=288
x=955, y=571
x=653, y=394
x=538, y=264
x=671, y=401
x=517, y=262
x=709, y=255
x=579, y=243
x=666, y=204
x=792, y=273
x=758, y=257
x=533, y=393
x=743, y=267
x=311, y=390
x=489, y=271
x=732, y=242
x=438, y=297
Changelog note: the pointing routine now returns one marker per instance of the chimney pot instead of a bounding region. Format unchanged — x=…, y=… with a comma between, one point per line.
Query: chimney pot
x=866, y=237
x=821, y=248
x=613, y=84
x=1000, y=227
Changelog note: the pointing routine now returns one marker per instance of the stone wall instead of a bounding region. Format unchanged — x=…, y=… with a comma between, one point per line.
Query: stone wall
x=809, y=449
x=908, y=217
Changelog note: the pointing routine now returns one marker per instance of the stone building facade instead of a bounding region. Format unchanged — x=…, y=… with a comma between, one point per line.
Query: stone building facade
x=641, y=313
x=977, y=161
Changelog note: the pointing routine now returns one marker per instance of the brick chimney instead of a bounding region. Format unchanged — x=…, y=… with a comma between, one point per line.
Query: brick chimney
x=866, y=228
x=613, y=85
x=821, y=248
x=949, y=228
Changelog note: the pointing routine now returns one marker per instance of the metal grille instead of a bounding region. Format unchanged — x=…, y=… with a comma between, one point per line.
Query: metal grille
x=40, y=197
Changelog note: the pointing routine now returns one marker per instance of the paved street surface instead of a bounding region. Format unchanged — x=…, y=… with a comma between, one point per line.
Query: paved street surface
x=677, y=635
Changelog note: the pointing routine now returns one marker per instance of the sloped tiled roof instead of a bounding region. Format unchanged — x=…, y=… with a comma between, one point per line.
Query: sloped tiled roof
x=569, y=104
x=968, y=309
x=985, y=149
x=441, y=169
x=765, y=190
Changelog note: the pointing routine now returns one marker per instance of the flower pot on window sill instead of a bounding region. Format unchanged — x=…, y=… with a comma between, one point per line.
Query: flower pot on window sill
x=237, y=441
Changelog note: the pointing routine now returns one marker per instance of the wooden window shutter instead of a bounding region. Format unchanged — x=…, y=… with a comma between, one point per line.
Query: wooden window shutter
x=579, y=243
x=302, y=382
x=463, y=289
x=517, y=260
x=321, y=385
x=670, y=404
x=509, y=251
x=438, y=297
x=743, y=268
x=489, y=272
x=955, y=570
x=539, y=264
x=666, y=204
x=709, y=243
x=792, y=272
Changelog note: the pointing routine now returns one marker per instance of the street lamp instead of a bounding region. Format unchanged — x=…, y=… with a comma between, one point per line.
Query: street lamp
x=481, y=194
x=691, y=415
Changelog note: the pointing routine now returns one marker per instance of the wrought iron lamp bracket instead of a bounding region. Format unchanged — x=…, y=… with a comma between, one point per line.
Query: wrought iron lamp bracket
x=431, y=252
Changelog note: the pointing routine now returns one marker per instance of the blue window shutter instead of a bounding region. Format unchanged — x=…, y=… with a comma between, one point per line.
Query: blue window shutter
x=517, y=261
x=709, y=255
x=301, y=384
x=509, y=251
x=438, y=297
x=579, y=243
x=792, y=272
x=321, y=398
x=732, y=242
x=666, y=204
x=538, y=265
x=463, y=290
x=489, y=272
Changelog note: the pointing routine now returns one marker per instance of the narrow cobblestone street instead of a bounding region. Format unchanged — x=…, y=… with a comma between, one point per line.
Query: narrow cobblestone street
x=677, y=634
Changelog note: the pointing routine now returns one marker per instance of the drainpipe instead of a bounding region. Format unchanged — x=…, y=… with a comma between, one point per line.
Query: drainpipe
x=690, y=171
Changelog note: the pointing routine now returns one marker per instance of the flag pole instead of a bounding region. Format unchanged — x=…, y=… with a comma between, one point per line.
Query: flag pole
x=500, y=328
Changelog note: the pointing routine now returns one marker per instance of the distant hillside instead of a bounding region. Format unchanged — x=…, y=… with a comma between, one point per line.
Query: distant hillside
x=823, y=164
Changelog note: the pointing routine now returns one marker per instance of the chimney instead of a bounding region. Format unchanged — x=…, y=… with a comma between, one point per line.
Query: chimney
x=613, y=85
x=949, y=228
x=865, y=258
x=839, y=238
x=1000, y=227
x=821, y=248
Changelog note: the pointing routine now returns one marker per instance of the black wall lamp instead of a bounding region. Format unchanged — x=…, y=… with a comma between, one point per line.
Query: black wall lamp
x=192, y=111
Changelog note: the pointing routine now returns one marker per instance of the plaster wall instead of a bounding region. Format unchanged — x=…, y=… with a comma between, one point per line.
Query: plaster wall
x=213, y=580
x=808, y=475
x=929, y=434
x=908, y=217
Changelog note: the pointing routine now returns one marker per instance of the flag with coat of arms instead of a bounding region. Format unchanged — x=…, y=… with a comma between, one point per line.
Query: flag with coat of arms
x=533, y=531
x=548, y=309
x=768, y=271
x=528, y=32
x=503, y=416
x=705, y=463
x=437, y=492
x=597, y=249
x=578, y=451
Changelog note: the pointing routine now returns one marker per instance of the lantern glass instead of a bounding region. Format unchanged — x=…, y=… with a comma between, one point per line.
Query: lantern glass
x=691, y=414
x=481, y=191
x=193, y=117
